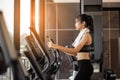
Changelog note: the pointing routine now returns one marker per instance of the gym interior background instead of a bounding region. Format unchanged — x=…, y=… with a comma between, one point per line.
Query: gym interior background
x=55, y=18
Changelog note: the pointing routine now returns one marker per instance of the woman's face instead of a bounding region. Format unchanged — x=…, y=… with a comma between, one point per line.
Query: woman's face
x=78, y=24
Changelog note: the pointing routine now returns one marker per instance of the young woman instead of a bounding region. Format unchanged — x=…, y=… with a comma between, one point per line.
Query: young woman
x=81, y=47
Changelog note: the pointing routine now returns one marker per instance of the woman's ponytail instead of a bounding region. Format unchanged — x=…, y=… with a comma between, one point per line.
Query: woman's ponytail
x=88, y=19
x=90, y=24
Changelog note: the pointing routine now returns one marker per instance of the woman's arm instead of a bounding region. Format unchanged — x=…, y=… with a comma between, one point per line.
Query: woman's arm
x=71, y=51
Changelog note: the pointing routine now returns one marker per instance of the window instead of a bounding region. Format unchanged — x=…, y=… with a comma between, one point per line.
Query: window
x=24, y=21
x=7, y=7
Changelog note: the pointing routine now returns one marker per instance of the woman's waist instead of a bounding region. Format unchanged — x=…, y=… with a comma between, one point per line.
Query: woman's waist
x=83, y=55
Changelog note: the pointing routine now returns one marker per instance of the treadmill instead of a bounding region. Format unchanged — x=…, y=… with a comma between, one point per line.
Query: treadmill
x=37, y=50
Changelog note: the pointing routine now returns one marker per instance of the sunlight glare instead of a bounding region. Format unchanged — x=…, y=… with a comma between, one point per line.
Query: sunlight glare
x=25, y=17
x=37, y=15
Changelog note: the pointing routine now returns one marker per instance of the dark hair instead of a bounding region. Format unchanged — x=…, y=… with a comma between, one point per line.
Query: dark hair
x=88, y=19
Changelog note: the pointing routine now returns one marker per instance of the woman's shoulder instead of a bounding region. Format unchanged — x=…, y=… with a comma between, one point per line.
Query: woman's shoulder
x=87, y=34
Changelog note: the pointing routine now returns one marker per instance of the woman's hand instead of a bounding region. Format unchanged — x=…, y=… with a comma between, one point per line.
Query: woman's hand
x=52, y=45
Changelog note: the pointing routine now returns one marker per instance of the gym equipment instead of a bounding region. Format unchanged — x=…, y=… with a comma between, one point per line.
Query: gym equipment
x=9, y=53
x=3, y=67
x=109, y=74
x=37, y=49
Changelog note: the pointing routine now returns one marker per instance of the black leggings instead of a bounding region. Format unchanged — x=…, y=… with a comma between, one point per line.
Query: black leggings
x=85, y=70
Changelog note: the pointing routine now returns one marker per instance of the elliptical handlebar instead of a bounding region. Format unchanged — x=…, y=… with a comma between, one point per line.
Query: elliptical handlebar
x=56, y=55
x=49, y=39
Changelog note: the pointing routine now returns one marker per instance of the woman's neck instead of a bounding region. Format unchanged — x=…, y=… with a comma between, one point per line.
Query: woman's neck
x=82, y=29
